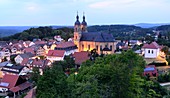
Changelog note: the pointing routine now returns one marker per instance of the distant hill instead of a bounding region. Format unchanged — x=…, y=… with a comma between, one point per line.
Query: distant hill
x=149, y=25
x=163, y=28
x=11, y=30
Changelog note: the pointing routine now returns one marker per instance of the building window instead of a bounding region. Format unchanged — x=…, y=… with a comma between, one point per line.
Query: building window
x=76, y=37
x=152, y=51
x=97, y=47
x=100, y=47
x=106, y=46
x=82, y=47
x=88, y=47
x=111, y=47
x=148, y=51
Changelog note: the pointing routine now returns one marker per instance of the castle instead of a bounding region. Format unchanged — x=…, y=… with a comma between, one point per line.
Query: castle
x=103, y=42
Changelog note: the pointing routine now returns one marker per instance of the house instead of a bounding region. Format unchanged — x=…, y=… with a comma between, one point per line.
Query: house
x=15, y=69
x=39, y=63
x=58, y=38
x=28, y=43
x=87, y=41
x=69, y=47
x=152, y=50
x=56, y=55
x=134, y=42
x=20, y=57
x=39, y=49
x=5, y=52
x=150, y=71
x=3, y=44
x=81, y=57
x=29, y=49
x=13, y=83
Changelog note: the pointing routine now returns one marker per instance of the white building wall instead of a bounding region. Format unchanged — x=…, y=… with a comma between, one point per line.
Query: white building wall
x=151, y=53
x=18, y=59
x=2, y=89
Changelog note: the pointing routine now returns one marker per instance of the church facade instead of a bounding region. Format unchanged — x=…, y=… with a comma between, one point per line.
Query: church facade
x=86, y=41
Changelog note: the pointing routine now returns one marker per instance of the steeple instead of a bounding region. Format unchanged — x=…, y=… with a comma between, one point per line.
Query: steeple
x=77, y=20
x=84, y=21
x=84, y=24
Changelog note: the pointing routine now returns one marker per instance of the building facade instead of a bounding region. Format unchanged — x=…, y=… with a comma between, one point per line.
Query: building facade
x=86, y=41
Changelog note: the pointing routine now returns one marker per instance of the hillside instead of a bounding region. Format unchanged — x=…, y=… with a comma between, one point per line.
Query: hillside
x=41, y=32
x=123, y=32
x=120, y=32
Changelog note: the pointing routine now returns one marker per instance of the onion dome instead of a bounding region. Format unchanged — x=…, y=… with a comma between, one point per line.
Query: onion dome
x=84, y=22
x=77, y=21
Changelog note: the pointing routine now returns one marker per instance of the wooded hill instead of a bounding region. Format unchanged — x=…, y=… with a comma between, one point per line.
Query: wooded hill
x=121, y=32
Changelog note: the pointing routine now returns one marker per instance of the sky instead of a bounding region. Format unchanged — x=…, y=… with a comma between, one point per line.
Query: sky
x=97, y=12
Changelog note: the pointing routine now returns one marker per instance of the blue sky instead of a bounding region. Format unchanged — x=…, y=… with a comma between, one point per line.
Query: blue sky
x=97, y=12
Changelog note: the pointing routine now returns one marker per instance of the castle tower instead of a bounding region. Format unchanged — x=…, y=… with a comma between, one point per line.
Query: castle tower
x=84, y=24
x=77, y=32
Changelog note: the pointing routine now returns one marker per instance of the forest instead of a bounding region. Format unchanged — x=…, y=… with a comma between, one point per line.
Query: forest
x=111, y=76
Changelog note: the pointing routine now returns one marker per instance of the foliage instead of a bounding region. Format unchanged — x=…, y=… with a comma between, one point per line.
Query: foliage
x=164, y=78
x=106, y=77
x=41, y=32
x=35, y=74
x=122, y=32
x=52, y=84
x=12, y=59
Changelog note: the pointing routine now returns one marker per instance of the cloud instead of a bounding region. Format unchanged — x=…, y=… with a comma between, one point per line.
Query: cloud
x=127, y=3
x=110, y=3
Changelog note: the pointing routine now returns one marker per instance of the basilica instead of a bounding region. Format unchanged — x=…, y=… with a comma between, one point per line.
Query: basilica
x=103, y=42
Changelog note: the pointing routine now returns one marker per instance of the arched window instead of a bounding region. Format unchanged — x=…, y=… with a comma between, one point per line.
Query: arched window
x=152, y=51
x=88, y=47
x=148, y=51
x=111, y=47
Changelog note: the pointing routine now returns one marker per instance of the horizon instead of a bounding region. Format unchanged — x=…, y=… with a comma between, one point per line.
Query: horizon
x=97, y=12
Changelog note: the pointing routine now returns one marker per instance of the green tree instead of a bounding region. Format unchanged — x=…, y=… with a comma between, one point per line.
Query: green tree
x=52, y=84
x=35, y=74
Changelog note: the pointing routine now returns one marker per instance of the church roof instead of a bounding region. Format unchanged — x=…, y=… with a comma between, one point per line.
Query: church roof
x=97, y=37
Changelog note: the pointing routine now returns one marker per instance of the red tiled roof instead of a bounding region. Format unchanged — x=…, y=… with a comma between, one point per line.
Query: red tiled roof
x=153, y=45
x=11, y=79
x=40, y=42
x=24, y=62
x=56, y=53
x=30, y=49
x=20, y=87
x=65, y=44
x=80, y=57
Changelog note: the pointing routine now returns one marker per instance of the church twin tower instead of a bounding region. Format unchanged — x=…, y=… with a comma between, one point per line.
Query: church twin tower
x=79, y=28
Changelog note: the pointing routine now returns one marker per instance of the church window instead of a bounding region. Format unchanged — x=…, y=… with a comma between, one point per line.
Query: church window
x=100, y=47
x=97, y=47
x=148, y=51
x=88, y=47
x=82, y=47
x=111, y=47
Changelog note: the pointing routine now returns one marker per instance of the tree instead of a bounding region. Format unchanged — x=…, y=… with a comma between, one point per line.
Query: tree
x=52, y=84
x=35, y=74
x=106, y=77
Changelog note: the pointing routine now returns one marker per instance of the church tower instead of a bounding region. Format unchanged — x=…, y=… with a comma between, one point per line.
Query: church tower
x=84, y=24
x=77, y=32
